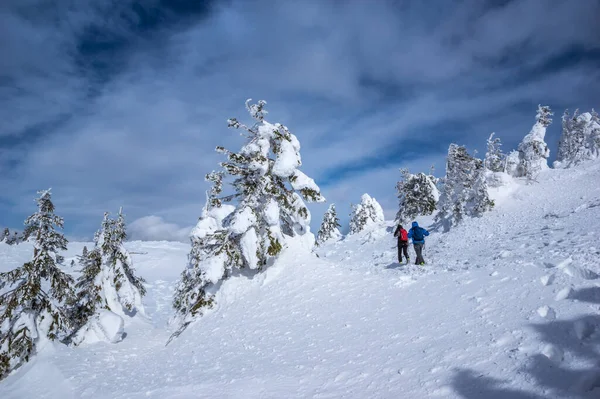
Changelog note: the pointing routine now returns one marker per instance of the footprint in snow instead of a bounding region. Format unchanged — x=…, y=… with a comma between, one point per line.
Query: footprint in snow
x=564, y=294
x=547, y=279
x=503, y=254
x=580, y=272
x=342, y=376
x=553, y=353
x=507, y=339
x=547, y=312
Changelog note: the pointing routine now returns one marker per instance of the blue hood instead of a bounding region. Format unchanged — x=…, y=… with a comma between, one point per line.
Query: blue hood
x=415, y=224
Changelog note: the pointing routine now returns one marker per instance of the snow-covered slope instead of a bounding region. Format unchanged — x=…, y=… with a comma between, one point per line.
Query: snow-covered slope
x=507, y=307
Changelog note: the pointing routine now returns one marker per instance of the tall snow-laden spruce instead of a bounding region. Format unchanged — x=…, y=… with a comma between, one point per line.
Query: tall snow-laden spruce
x=33, y=295
x=329, y=227
x=533, y=150
x=108, y=280
x=464, y=192
x=366, y=214
x=495, y=160
x=269, y=192
x=580, y=138
x=417, y=196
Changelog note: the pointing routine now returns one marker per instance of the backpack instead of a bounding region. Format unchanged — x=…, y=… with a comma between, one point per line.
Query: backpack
x=417, y=234
x=403, y=235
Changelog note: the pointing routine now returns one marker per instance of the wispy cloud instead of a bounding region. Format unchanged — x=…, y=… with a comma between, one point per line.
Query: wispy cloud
x=119, y=103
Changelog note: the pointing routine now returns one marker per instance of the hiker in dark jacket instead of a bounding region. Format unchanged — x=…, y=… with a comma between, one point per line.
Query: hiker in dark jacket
x=418, y=238
x=402, y=243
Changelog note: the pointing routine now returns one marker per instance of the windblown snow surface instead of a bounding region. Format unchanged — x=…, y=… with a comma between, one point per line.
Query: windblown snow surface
x=506, y=307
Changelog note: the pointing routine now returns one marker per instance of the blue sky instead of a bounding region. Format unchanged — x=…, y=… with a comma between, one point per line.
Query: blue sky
x=121, y=103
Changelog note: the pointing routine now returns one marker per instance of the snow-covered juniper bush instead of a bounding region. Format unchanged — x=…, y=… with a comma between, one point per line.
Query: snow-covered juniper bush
x=33, y=295
x=268, y=191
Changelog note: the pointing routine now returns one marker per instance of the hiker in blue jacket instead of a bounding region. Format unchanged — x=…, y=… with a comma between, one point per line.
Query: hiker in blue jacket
x=418, y=238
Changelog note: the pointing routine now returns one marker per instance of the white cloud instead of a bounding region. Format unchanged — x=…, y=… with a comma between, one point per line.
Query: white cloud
x=154, y=228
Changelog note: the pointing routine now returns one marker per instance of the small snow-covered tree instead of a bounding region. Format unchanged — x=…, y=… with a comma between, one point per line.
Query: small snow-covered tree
x=594, y=134
x=12, y=239
x=580, y=138
x=464, y=192
x=107, y=280
x=269, y=191
x=31, y=308
x=494, y=158
x=533, y=150
x=511, y=163
x=5, y=235
x=122, y=289
x=88, y=290
x=329, y=227
x=417, y=196
x=366, y=214
x=564, y=145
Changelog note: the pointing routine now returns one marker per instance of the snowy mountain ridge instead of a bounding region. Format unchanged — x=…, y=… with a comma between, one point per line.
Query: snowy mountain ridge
x=506, y=307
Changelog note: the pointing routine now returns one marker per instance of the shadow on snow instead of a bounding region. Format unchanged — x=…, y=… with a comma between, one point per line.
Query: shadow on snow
x=577, y=341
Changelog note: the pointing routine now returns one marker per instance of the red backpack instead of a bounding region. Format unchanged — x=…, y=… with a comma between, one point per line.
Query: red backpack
x=403, y=235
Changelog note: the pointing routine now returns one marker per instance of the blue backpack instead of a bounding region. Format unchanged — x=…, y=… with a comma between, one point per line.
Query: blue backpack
x=417, y=234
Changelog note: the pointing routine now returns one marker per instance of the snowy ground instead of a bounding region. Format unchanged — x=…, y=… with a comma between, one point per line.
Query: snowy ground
x=507, y=307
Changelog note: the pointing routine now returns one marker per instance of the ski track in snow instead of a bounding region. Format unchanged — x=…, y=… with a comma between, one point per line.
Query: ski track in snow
x=507, y=306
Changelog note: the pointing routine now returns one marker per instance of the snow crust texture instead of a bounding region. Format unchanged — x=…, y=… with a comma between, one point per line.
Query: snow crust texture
x=506, y=307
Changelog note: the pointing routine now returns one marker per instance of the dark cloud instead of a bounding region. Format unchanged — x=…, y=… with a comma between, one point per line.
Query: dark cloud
x=122, y=102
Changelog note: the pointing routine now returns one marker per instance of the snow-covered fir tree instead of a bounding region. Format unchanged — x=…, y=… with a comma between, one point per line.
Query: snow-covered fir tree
x=329, y=226
x=107, y=280
x=494, y=158
x=366, y=214
x=580, y=138
x=88, y=288
x=594, y=135
x=5, y=235
x=122, y=288
x=15, y=239
x=464, y=192
x=512, y=163
x=564, y=144
x=417, y=196
x=12, y=239
x=269, y=192
x=533, y=150
x=33, y=295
